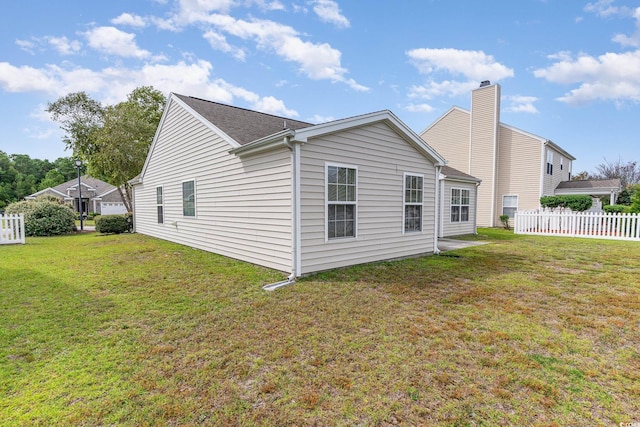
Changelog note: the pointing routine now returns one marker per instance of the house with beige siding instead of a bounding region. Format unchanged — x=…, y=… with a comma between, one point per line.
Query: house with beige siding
x=516, y=167
x=287, y=194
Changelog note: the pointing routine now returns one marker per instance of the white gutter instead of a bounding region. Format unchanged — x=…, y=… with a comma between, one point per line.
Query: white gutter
x=295, y=219
x=436, y=251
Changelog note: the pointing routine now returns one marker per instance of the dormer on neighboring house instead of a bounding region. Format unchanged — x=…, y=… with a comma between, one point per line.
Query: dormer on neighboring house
x=516, y=167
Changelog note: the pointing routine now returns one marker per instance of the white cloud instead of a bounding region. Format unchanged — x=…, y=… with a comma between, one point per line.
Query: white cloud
x=317, y=118
x=634, y=39
x=111, y=85
x=218, y=42
x=521, y=104
x=329, y=11
x=113, y=41
x=25, y=79
x=63, y=45
x=472, y=64
x=608, y=77
x=602, y=8
x=268, y=5
x=271, y=105
x=467, y=67
x=317, y=60
x=437, y=89
x=419, y=108
x=194, y=11
x=130, y=20
x=26, y=45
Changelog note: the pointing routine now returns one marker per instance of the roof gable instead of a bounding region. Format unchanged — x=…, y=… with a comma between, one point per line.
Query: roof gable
x=88, y=183
x=506, y=126
x=305, y=134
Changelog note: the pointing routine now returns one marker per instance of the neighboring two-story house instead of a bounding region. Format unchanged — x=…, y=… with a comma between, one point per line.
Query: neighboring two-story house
x=516, y=167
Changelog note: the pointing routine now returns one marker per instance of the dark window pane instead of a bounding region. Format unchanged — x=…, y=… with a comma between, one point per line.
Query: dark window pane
x=455, y=213
x=333, y=193
x=188, y=199
x=160, y=215
x=348, y=232
x=464, y=214
x=332, y=174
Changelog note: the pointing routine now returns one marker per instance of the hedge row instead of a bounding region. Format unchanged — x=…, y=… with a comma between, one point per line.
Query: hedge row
x=575, y=203
x=114, y=224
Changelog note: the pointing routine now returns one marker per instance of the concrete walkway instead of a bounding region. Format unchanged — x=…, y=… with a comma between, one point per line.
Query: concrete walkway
x=451, y=244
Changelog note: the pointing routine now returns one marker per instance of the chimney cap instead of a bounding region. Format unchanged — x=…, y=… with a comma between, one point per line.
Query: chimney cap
x=485, y=83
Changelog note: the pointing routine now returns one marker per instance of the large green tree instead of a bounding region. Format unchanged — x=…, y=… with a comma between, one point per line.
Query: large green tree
x=113, y=140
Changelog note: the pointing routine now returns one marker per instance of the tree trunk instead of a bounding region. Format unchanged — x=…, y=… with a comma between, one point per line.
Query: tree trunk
x=126, y=197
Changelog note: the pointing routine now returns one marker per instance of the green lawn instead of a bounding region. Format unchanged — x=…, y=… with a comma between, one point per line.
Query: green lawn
x=129, y=330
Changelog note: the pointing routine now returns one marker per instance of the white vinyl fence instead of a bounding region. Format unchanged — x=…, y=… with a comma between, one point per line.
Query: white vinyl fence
x=598, y=225
x=11, y=229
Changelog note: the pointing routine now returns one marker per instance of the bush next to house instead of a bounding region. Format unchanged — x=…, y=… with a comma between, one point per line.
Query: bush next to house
x=616, y=208
x=112, y=224
x=44, y=217
x=575, y=203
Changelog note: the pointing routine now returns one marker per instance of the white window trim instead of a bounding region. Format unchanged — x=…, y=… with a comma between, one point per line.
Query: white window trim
x=326, y=203
x=160, y=204
x=516, y=206
x=460, y=205
x=549, y=162
x=404, y=202
x=195, y=199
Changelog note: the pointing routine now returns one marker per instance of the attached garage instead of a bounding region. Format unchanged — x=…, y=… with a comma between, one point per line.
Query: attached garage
x=112, y=208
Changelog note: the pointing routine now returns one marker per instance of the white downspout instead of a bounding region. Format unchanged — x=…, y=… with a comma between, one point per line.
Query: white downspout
x=295, y=218
x=436, y=251
x=475, y=211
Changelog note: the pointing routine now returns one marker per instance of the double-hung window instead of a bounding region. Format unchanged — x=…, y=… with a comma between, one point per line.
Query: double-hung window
x=413, y=191
x=509, y=205
x=189, y=198
x=160, y=205
x=459, y=205
x=549, y=163
x=341, y=201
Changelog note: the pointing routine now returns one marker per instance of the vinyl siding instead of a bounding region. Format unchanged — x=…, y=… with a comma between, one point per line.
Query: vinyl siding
x=552, y=181
x=382, y=157
x=485, y=116
x=457, y=228
x=243, y=206
x=520, y=168
x=449, y=136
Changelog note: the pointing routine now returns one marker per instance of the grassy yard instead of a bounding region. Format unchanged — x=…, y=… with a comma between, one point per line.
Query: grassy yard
x=129, y=330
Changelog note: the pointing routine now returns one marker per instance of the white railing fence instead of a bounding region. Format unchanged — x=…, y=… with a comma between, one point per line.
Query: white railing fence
x=598, y=225
x=11, y=229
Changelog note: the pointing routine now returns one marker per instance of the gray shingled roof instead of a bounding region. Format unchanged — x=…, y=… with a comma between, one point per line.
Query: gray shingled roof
x=244, y=126
x=450, y=172
x=591, y=183
x=100, y=186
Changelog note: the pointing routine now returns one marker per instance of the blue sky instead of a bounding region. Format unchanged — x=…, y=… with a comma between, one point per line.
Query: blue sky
x=569, y=69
